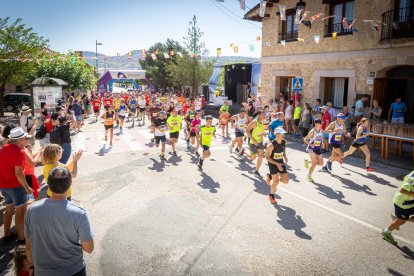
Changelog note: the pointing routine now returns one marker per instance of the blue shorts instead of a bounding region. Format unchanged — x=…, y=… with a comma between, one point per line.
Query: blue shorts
x=159, y=139
x=79, y=118
x=15, y=196
x=326, y=135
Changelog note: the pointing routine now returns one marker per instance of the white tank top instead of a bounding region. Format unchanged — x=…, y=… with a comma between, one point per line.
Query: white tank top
x=241, y=122
x=341, y=128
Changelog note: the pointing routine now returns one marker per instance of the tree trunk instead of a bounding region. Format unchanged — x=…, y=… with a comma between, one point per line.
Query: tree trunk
x=2, y=90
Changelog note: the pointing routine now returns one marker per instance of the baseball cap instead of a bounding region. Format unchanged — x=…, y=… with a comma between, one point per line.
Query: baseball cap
x=209, y=117
x=341, y=116
x=324, y=107
x=279, y=130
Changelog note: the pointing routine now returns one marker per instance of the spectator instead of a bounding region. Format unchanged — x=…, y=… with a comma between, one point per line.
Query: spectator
x=296, y=118
x=5, y=134
x=77, y=110
x=60, y=135
x=349, y=118
x=13, y=185
x=376, y=112
x=397, y=111
x=28, y=123
x=316, y=110
x=57, y=231
x=326, y=120
x=331, y=111
x=306, y=119
x=278, y=121
x=288, y=117
x=359, y=108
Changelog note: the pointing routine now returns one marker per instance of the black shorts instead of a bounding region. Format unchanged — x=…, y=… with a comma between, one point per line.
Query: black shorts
x=193, y=134
x=205, y=148
x=403, y=214
x=142, y=109
x=316, y=151
x=254, y=148
x=357, y=145
x=174, y=135
x=273, y=169
x=296, y=122
x=96, y=110
x=159, y=139
x=239, y=134
x=109, y=127
x=336, y=146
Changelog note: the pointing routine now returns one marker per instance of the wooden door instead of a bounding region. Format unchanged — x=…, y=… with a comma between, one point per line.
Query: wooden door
x=381, y=95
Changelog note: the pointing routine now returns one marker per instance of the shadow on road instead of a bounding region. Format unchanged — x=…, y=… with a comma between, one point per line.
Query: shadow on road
x=331, y=193
x=157, y=165
x=408, y=253
x=290, y=221
x=208, y=183
x=374, y=178
x=349, y=184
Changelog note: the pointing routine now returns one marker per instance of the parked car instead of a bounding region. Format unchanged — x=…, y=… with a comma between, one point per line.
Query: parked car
x=14, y=100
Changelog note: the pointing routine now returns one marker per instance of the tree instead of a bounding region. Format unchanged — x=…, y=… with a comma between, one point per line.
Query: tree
x=20, y=46
x=194, y=46
x=77, y=73
x=156, y=69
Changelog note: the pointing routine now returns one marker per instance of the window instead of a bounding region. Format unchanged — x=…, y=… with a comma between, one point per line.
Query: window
x=404, y=10
x=336, y=91
x=340, y=9
x=289, y=28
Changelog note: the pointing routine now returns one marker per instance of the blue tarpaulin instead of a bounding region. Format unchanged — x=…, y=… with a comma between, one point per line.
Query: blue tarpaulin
x=256, y=71
x=212, y=83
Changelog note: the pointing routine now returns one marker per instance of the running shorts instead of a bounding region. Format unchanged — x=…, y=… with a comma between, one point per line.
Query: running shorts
x=159, y=139
x=336, y=146
x=273, y=169
x=122, y=117
x=296, y=122
x=109, y=127
x=317, y=152
x=403, y=214
x=96, y=110
x=174, y=135
x=239, y=133
x=193, y=134
x=205, y=148
x=142, y=109
x=254, y=148
x=357, y=145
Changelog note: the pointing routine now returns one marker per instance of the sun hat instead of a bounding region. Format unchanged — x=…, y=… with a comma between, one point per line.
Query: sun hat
x=279, y=130
x=17, y=133
x=26, y=109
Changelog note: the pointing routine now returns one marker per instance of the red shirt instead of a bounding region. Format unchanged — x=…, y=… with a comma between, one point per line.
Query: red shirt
x=185, y=108
x=126, y=97
x=48, y=126
x=108, y=102
x=326, y=120
x=96, y=104
x=11, y=156
x=203, y=102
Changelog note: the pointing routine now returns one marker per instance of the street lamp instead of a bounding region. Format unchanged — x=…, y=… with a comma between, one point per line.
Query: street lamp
x=96, y=55
x=301, y=6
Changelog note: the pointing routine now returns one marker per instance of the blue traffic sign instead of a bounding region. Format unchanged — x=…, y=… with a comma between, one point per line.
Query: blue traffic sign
x=297, y=85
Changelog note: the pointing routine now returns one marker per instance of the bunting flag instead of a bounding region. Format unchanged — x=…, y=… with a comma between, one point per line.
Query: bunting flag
x=317, y=38
x=297, y=16
x=304, y=15
x=315, y=17
x=283, y=42
x=172, y=53
x=262, y=8
x=218, y=51
x=206, y=52
x=301, y=39
x=143, y=54
x=352, y=23
x=156, y=52
x=242, y=4
x=236, y=49
x=129, y=55
x=166, y=56
x=327, y=17
x=251, y=47
x=345, y=23
x=375, y=26
x=258, y=38
x=154, y=56
x=334, y=35
x=282, y=10
x=179, y=54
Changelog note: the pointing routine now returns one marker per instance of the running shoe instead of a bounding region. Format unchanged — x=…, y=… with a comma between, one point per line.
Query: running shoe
x=310, y=179
x=257, y=174
x=272, y=199
x=340, y=161
x=152, y=140
x=369, y=169
x=174, y=153
x=329, y=167
x=393, y=218
x=197, y=153
x=162, y=156
x=230, y=149
x=188, y=147
x=241, y=153
x=306, y=163
x=388, y=237
x=268, y=179
x=200, y=167
x=325, y=169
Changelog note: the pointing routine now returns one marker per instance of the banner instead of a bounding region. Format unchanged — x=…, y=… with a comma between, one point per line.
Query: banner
x=212, y=83
x=282, y=10
x=255, y=81
x=262, y=8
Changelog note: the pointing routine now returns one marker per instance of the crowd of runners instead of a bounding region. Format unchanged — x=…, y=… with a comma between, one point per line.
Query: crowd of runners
x=259, y=135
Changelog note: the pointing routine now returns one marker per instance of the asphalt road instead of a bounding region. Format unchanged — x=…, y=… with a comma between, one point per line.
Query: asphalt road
x=168, y=218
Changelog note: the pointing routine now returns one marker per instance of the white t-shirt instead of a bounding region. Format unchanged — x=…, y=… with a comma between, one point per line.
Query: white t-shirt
x=288, y=112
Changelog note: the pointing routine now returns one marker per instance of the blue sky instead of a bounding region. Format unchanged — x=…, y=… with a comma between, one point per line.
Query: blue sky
x=125, y=25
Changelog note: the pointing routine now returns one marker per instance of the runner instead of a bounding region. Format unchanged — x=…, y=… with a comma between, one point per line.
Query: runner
x=189, y=117
x=275, y=154
x=96, y=103
x=117, y=104
x=206, y=134
x=194, y=137
x=153, y=111
x=132, y=104
x=224, y=122
x=279, y=121
x=240, y=121
x=404, y=208
x=122, y=110
x=160, y=129
x=359, y=143
x=109, y=116
x=174, y=124
x=108, y=101
x=336, y=131
x=255, y=132
x=314, y=140
x=142, y=108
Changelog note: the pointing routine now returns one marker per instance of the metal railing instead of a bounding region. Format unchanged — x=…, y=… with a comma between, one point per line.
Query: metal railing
x=338, y=28
x=397, y=24
x=289, y=36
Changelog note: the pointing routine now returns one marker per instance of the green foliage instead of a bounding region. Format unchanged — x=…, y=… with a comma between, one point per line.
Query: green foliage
x=193, y=41
x=156, y=69
x=74, y=71
x=17, y=41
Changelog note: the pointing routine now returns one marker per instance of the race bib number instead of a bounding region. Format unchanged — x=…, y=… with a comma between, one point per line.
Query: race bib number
x=154, y=114
x=242, y=126
x=162, y=128
x=208, y=133
x=278, y=156
x=123, y=112
x=338, y=137
x=109, y=120
x=175, y=124
x=316, y=143
x=191, y=117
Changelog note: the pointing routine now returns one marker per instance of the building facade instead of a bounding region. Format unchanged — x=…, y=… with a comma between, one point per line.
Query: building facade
x=364, y=47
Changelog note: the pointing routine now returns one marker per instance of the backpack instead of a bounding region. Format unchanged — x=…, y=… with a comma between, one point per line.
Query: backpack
x=41, y=132
x=55, y=136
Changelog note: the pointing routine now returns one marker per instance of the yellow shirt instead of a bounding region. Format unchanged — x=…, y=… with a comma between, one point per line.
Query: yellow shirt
x=46, y=170
x=117, y=103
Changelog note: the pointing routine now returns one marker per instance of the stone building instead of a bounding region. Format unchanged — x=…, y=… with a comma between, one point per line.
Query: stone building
x=374, y=57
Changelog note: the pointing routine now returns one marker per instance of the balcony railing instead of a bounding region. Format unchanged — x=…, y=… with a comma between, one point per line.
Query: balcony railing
x=289, y=36
x=338, y=28
x=397, y=24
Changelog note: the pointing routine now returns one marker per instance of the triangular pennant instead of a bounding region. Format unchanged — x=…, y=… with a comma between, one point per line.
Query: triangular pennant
x=251, y=47
x=258, y=38
x=154, y=56
x=334, y=35
x=166, y=56
x=283, y=42
x=242, y=4
x=317, y=38
x=218, y=51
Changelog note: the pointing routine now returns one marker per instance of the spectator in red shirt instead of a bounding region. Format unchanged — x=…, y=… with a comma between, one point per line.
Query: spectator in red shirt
x=326, y=120
x=13, y=184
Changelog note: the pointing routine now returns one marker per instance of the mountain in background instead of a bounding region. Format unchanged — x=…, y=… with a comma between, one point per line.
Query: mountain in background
x=122, y=62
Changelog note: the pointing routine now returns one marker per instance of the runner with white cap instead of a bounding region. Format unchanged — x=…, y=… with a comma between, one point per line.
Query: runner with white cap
x=276, y=158
x=314, y=140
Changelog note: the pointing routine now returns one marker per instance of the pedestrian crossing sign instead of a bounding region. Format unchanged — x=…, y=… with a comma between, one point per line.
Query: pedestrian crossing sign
x=297, y=85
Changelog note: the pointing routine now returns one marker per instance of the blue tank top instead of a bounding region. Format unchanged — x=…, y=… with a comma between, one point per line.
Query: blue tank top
x=363, y=139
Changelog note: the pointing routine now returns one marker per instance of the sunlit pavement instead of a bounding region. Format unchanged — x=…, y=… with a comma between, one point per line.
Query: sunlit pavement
x=168, y=218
